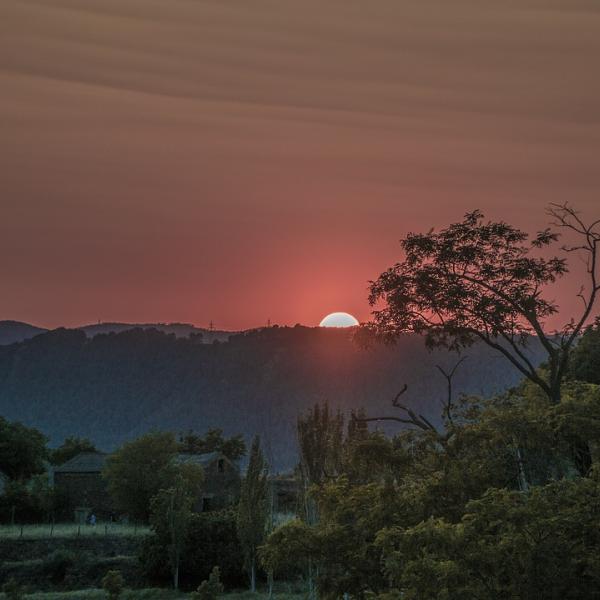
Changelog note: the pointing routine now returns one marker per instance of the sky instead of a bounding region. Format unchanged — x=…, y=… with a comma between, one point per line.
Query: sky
x=238, y=162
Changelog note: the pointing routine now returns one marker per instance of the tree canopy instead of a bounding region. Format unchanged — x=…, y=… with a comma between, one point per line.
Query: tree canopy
x=485, y=280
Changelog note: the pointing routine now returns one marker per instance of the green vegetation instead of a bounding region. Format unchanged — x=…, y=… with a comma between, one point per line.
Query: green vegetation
x=141, y=468
x=70, y=530
x=253, y=510
x=112, y=584
x=211, y=588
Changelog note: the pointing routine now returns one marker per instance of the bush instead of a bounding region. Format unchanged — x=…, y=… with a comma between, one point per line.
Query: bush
x=112, y=583
x=12, y=590
x=212, y=540
x=57, y=564
x=210, y=588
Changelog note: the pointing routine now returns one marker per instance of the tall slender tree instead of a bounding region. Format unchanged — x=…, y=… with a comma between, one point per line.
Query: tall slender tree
x=253, y=509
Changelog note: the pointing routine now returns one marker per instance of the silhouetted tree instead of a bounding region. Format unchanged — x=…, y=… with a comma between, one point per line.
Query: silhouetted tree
x=22, y=450
x=71, y=447
x=478, y=280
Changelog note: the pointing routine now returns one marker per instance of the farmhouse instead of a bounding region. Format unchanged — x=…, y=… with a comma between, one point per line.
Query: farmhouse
x=80, y=483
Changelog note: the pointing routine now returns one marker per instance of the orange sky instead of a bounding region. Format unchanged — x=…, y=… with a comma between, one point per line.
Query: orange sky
x=235, y=161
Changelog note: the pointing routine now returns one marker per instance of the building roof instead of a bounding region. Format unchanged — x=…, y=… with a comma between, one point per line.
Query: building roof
x=93, y=462
x=199, y=459
x=86, y=462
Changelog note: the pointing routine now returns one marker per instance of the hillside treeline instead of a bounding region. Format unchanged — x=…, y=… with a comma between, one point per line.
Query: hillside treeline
x=114, y=387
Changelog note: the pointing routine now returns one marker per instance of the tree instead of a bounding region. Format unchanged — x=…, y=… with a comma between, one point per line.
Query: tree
x=71, y=447
x=478, y=280
x=172, y=513
x=585, y=360
x=483, y=281
x=213, y=441
x=22, y=450
x=139, y=470
x=253, y=509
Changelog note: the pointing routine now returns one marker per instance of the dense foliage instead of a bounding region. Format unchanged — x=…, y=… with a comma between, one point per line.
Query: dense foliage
x=140, y=469
x=211, y=541
x=491, y=507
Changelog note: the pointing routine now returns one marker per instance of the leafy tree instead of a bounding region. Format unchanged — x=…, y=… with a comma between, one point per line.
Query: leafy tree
x=483, y=281
x=71, y=447
x=113, y=584
x=140, y=469
x=507, y=545
x=213, y=441
x=22, y=450
x=253, y=509
x=172, y=513
x=320, y=438
x=585, y=360
x=211, y=588
x=211, y=540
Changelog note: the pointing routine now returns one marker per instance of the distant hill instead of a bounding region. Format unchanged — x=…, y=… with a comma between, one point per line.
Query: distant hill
x=16, y=331
x=115, y=386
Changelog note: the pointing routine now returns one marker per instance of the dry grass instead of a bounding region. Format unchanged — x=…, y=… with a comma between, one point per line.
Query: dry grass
x=64, y=530
x=149, y=594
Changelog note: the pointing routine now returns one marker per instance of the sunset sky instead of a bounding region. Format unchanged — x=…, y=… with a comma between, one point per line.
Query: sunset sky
x=245, y=160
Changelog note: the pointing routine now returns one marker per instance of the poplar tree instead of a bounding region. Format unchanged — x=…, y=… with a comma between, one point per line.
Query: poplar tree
x=253, y=509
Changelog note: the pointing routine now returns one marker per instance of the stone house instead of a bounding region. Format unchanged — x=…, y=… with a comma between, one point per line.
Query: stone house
x=83, y=490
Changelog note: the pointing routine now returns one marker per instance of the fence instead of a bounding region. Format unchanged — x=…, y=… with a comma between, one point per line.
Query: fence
x=46, y=530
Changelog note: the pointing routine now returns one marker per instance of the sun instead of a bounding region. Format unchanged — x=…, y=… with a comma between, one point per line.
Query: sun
x=339, y=319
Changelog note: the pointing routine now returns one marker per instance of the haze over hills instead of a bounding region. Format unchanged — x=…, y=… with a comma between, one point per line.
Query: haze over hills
x=114, y=386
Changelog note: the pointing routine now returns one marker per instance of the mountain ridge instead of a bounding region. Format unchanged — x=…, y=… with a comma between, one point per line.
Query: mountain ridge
x=115, y=386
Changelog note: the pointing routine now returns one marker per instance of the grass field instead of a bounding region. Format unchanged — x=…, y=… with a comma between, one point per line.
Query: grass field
x=149, y=594
x=69, y=530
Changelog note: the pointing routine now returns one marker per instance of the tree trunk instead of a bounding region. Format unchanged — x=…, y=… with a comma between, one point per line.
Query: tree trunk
x=523, y=483
x=176, y=576
x=270, y=585
x=253, y=577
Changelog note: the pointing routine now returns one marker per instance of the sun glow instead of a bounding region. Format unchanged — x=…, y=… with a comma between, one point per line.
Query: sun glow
x=339, y=319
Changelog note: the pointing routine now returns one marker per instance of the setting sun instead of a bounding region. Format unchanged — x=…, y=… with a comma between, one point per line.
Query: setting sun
x=339, y=319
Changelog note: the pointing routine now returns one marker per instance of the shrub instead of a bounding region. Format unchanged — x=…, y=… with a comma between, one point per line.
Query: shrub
x=112, y=583
x=12, y=590
x=57, y=564
x=210, y=588
x=212, y=540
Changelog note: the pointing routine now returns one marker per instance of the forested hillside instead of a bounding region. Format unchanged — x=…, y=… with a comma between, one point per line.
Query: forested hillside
x=115, y=386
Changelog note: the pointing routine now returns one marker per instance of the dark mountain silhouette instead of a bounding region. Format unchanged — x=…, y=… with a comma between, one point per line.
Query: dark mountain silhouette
x=115, y=386
x=16, y=331
x=179, y=329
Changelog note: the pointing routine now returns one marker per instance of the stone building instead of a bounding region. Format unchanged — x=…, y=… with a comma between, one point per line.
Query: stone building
x=222, y=480
x=81, y=488
x=80, y=484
